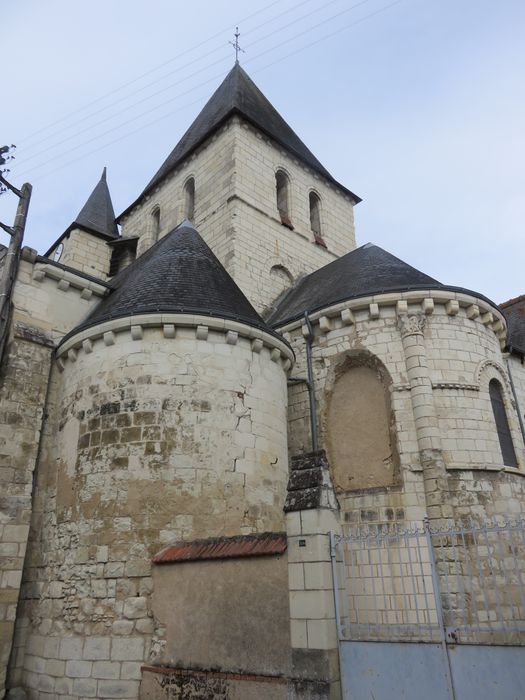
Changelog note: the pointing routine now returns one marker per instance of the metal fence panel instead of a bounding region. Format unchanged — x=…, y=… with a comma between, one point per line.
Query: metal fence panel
x=417, y=583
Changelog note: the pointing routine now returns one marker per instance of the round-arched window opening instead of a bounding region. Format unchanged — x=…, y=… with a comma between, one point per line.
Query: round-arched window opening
x=508, y=453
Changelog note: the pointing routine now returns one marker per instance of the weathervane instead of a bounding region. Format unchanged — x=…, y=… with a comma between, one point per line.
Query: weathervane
x=235, y=45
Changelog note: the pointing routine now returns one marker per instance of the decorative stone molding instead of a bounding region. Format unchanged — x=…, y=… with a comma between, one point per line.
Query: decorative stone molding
x=455, y=385
x=68, y=281
x=413, y=324
x=134, y=327
x=369, y=309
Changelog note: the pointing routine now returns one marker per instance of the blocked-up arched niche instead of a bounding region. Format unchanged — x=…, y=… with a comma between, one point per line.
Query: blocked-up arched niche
x=360, y=432
x=281, y=279
x=508, y=453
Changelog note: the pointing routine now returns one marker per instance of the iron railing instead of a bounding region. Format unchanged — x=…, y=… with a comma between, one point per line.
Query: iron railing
x=462, y=583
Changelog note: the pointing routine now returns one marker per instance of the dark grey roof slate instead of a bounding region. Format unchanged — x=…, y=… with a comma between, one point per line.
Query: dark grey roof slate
x=366, y=270
x=514, y=312
x=238, y=94
x=97, y=214
x=179, y=274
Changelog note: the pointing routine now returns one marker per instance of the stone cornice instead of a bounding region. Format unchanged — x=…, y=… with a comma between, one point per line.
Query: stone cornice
x=133, y=328
x=411, y=302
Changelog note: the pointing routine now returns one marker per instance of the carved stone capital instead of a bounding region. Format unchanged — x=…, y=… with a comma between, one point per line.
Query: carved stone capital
x=411, y=324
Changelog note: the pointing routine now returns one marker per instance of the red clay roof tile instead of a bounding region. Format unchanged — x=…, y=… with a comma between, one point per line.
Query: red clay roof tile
x=223, y=548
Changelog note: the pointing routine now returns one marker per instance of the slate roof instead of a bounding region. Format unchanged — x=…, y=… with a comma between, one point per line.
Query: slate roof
x=238, y=94
x=97, y=214
x=179, y=274
x=514, y=312
x=364, y=271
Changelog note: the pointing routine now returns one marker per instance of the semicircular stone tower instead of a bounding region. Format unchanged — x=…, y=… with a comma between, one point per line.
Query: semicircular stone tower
x=171, y=425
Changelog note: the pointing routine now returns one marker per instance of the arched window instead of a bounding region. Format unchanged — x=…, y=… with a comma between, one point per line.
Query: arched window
x=282, y=194
x=361, y=442
x=315, y=218
x=155, y=224
x=502, y=424
x=189, y=199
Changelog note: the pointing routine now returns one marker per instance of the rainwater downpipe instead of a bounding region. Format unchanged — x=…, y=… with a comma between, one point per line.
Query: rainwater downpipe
x=518, y=410
x=309, y=381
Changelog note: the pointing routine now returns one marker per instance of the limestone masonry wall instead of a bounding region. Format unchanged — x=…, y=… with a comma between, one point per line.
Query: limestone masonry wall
x=23, y=387
x=157, y=439
x=463, y=353
x=86, y=252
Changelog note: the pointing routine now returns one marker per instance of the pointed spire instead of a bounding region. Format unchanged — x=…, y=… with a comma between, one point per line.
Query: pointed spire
x=97, y=215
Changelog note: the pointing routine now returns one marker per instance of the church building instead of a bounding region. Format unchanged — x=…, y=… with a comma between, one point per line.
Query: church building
x=196, y=393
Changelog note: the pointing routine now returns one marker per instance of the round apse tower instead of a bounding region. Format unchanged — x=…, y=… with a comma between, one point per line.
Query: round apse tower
x=171, y=414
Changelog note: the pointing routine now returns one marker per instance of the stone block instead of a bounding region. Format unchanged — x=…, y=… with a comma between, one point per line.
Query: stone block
x=118, y=689
x=78, y=669
x=127, y=649
x=96, y=648
x=109, y=670
x=71, y=648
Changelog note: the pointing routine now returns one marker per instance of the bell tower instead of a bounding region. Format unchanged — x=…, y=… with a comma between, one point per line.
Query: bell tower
x=266, y=206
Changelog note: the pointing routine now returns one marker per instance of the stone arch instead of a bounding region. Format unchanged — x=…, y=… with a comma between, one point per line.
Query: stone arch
x=360, y=427
x=314, y=204
x=283, y=196
x=189, y=198
x=489, y=372
x=155, y=223
x=508, y=453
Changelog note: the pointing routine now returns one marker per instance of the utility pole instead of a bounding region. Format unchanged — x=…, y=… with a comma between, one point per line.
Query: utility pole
x=12, y=257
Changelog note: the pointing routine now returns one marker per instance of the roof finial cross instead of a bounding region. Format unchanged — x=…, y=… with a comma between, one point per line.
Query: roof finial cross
x=235, y=44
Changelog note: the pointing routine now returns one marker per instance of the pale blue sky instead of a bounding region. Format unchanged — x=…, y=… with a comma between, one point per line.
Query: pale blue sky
x=419, y=109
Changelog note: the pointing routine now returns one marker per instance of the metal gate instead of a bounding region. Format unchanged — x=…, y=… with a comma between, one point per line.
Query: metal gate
x=431, y=613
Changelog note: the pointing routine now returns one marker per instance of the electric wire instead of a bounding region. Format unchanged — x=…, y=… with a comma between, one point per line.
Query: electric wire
x=154, y=82
x=106, y=119
x=150, y=71
x=178, y=95
x=258, y=70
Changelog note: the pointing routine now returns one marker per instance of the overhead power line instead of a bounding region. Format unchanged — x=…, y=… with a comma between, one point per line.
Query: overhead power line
x=148, y=72
x=258, y=70
x=178, y=95
x=71, y=137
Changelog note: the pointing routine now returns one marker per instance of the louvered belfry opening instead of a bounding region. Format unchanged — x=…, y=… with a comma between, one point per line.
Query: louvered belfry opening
x=502, y=424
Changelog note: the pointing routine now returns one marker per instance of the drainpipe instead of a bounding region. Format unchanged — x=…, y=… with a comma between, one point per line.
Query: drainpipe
x=309, y=381
x=520, y=417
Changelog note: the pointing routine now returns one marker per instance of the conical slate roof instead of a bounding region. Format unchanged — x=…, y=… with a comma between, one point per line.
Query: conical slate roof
x=97, y=214
x=364, y=271
x=179, y=274
x=238, y=94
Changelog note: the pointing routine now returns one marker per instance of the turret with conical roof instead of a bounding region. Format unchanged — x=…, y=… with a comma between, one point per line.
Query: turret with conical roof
x=95, y=223
x=261, y=199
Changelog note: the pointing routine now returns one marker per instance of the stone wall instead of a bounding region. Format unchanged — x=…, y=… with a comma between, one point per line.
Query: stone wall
x=23, y=388
x=151, y=440
x=461, y=339
x=236, y=212
x=85, y=252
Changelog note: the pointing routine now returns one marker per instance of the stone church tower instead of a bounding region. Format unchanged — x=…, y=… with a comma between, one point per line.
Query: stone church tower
x=190, y=404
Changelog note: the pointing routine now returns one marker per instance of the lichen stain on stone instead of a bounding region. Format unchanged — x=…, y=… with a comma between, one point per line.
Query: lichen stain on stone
x=194, y=688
